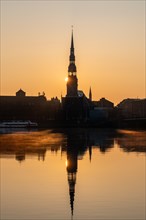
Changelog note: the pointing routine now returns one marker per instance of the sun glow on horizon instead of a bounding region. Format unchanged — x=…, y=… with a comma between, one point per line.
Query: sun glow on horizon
x=66, y=163
x=66, y=79
x=109, y=57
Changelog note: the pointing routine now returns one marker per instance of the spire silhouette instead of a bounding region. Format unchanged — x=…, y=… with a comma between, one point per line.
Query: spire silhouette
x=72, y=83
x=90, y=94
x=72, y=66
x=72, y=41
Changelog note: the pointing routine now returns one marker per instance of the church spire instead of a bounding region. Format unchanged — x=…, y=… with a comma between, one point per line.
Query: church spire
x=72, y=42
x=72, y=83
x=72, y=67
x=90, y=94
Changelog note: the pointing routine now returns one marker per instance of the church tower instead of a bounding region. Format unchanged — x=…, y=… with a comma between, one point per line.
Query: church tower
x=72, y=82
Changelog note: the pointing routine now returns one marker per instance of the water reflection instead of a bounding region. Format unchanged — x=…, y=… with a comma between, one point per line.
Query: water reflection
x=78, y=142
x=132, y=141
x=32, y=143
x=72, y=142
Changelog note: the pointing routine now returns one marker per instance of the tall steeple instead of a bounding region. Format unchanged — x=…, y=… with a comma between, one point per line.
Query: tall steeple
x=90, y=94
x=72, y=83
x=72, y=66
x=72, y=56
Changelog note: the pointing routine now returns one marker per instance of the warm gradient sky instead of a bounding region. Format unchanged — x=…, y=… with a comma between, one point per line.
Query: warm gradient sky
x=109, y=38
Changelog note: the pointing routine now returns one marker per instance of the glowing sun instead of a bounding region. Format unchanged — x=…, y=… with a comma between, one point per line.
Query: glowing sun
x=66, y=79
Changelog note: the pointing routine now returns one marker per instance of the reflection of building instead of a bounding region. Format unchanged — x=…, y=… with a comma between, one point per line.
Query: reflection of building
x=71, y=166
x=71, y=172
x=78, y=142
x=132, y=141
x=74, y=142
x=29, y=144
x=21, y=155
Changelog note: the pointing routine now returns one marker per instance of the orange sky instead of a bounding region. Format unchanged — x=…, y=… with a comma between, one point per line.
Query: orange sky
x=109, y=40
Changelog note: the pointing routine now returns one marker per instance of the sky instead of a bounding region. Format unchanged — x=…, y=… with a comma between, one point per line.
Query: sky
x=109, y=41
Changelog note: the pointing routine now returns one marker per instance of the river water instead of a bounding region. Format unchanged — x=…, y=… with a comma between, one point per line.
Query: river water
x=73, y=174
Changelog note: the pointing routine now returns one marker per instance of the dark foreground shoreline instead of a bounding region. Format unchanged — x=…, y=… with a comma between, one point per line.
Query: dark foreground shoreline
x=123, y=123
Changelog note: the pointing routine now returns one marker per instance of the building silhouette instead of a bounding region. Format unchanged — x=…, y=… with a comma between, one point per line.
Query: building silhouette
x=75, y=104
x=74, y=109
x=23, y=107
x=132, y=108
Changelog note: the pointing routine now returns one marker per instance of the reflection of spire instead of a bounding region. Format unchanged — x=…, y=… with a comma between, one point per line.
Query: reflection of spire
x=71, y=171
x=72, y=182
x=90, y=153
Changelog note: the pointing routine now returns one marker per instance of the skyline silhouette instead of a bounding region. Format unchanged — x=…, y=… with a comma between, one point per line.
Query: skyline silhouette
x=109, y=47
x=74, y=109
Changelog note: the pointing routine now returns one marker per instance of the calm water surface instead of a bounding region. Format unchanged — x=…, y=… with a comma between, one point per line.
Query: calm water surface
x=73, y=174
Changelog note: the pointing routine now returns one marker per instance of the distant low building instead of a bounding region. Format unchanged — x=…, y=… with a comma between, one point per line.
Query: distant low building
x=103, y=103
x=20, y=93
x=132, y=108
x=101, y=110
x=36, y=108
x=22, y=107
x=53, y=109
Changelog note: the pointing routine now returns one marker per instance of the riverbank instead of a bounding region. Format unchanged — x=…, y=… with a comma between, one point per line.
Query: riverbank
x=122, y=123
